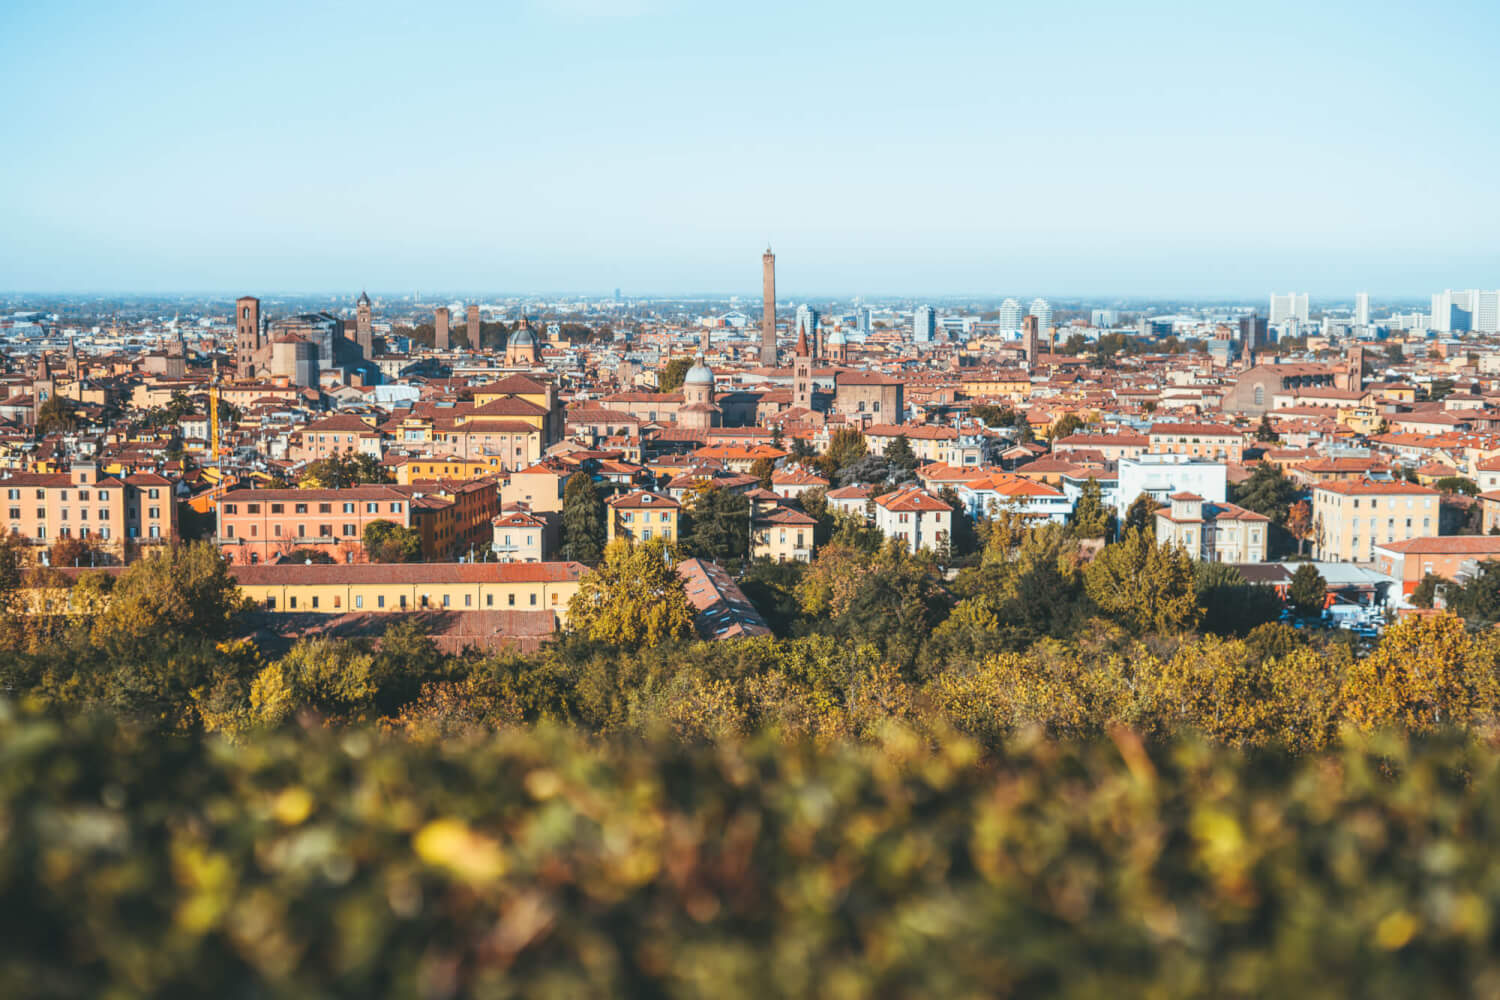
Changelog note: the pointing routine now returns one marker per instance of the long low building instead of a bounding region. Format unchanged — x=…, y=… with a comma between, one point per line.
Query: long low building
x=340, y=589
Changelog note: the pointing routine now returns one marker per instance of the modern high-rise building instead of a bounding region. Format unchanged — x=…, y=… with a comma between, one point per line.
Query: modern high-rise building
x=862, y=321
x=1462, y=312
x=923, y=325
x=1361, y=308
x=768, y=308
x=1042, y=310
x=1292, y=305
x=1254, y=333
x=1103, y=319
x=1010, y=315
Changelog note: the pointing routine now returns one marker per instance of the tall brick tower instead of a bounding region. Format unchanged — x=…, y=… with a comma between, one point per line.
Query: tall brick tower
x=768, y=308
x=473, y=328
x=1031, y=341
x=440, y=328
x=246, y=334
x=364, y=327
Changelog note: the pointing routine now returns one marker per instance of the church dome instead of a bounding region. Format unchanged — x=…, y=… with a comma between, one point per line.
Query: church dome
x=699, y=374
x=834, y=339
x=522, y=337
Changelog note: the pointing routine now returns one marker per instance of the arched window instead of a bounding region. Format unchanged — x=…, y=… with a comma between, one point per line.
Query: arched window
x=1260, y=395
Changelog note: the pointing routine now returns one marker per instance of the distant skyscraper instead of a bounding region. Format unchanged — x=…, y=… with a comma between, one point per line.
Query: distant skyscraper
x=807, y=323
x=1043, y=313
x=1103, y=319
x=1010, y=315
x=440, y=328
x=1361, y=308
x=1292, y=305
x=617, y=295
x=768, y=308
x=862, y=321
x=1461, y=312
x=1254, y=333
x=923, y=325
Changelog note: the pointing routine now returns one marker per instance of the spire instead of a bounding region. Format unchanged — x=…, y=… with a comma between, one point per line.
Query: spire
x=802, y=349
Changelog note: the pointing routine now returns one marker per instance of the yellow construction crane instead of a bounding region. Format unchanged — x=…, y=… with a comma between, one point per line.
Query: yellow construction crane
x=213, y=414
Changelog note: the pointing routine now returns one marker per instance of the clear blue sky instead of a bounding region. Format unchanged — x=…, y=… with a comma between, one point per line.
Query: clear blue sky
x=885, y=148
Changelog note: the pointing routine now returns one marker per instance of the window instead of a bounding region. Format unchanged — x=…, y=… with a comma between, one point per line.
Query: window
x=349, y=508
x=291, y=602
x=338, y=600
x=250, y=508
x=395, y=508
x=372, y=508
x=380, y=601
x=154, y=513
x=278, y=508
x=533, y=600
x=270, y=604
x=359, y=600
x=489, y=600
x=300, y=508
x=445, y=600
x=229, y=531
x=152, y=494
x=325, y=508
x=325, y=531
x=315, y=600
x=403, y=601
x=349, y=531
x=231, y=508
x=510, y=599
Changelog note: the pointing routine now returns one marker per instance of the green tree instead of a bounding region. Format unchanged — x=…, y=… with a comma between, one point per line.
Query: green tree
x=1264, y=432
x=633, y=599
x=1090, y=517
x=718, y=525
x=1267, y=492
x=1231, y=605
x=1457, y=484
x=900, y=456
x=1065, y=425
x=762, y=469
x=318, y=557
x=1145, y=587
x=673, y=374
x=1425, y=594
x=583, y=531
x=1477, y=599
x=388, y=542
x=1141, y=514
x=1308, y=591
x=343, y=471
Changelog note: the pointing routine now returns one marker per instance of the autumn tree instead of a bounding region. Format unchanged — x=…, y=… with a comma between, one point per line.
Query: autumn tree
x=1299, y=523
x=583, y=531
x=343, y=471
x=634, y=598
x=389, y=542
x=1144, y=586
x=1267, y=492
x=1426, y=674
x=56, y=415
x=763, y=469
x=673, y=374
x=845, y=447
x=184, y=589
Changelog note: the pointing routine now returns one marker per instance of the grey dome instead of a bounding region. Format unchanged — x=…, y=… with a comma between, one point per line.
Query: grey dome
x=699, y=374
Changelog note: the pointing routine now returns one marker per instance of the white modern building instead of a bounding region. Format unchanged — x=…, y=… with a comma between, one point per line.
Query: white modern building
x=1292, y=305
x=1162, y=475
x=923, y=325
x=1466, y=311
x=807, y=322
x=1010, y=315
x=1361, y=308
x=1042, y=310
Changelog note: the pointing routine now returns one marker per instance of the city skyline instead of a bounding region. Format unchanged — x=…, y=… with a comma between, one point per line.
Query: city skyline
x=650, y=145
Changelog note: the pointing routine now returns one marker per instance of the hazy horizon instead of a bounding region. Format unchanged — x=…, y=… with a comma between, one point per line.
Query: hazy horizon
x=1169, y=150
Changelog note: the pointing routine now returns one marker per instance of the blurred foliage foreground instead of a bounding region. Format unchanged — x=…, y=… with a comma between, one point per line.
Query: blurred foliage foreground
x=543, y=862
